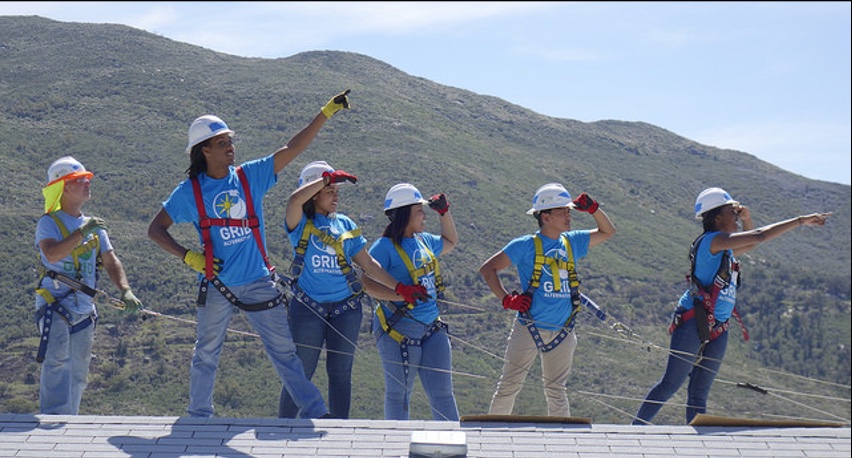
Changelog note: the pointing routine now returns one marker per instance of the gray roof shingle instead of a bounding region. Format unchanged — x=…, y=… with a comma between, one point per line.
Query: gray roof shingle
x=91, y=436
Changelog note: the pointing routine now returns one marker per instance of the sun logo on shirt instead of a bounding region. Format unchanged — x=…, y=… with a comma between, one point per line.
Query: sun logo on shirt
x=228, y=204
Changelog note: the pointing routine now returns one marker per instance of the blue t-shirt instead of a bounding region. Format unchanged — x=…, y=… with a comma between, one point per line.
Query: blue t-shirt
x=550, y=309
x=242, y=262
x=321, y=275
x=76, y=301
x=420, y=249
x=706, y=266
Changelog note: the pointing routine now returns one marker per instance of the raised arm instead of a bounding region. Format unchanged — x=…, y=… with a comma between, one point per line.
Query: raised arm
x=742, y=242
x=301, y=140
x=450, y=236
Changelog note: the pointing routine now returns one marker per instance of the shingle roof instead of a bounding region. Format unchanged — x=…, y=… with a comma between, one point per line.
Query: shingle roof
x=91, y=436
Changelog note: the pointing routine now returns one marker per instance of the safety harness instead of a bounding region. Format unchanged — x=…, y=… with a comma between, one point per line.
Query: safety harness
x=388, y=323
x=326, y=310
x=704, y=297
x=205, y=223
x=52, y=304
x=573, y=280
x=335, y=242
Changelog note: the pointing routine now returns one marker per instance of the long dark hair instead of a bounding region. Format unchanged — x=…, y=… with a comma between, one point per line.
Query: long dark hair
x=309, y=208
x=395, y=230
x=197, y=161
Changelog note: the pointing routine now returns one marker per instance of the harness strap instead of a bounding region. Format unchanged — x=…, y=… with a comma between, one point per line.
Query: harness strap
x=683, y=317
x=535, y=280
x=388, y=323
x=536, y=335
x=704, y=298
x=404, y=341
x=46, y=312
x=232, y=298
x=428, y=267
x=298, y=264
x=255, y=228
x=329, y=310
x=93, y=243
x=51, y=304
x=204, y=223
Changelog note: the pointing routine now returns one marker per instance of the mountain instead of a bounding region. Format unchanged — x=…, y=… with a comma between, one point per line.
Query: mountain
x=120, y=100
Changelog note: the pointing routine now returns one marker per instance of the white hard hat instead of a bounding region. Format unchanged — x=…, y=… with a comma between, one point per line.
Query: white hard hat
x=66, y=168
x=204, y=128
x=551, y=195
x=711, y=198
x=313, y=171
x=403, y=194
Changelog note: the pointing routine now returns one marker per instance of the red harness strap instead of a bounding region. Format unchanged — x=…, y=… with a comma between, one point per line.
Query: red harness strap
x=715, y=332
x=205, y=223
x=705, y=297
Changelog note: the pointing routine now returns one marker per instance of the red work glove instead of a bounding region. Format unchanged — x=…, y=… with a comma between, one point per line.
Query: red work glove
x=584, y=203
x=411, y=293
x=439, y=203
x=519, y=302
x=339, y=176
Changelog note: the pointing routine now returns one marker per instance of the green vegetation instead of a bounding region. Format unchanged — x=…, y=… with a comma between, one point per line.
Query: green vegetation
x=120, y=100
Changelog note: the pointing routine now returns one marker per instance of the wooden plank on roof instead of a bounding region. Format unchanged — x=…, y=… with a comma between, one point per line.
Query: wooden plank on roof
x=715, y=420
x=526, y=419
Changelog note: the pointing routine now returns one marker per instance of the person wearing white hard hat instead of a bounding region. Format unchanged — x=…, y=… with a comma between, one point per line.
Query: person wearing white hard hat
x=325, y=308
x=410, y=336
x=225, y=204
x=550, y=297
x=71, y=248
x=699, y=328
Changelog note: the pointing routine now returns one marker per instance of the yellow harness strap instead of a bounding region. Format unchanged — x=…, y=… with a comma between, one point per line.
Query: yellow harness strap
x=332, y=241
x=555, y=265
x=427, y=268
x=94, y=243
x=395, y=335
x=573, y=281
x=51, y=306
x=79, y=250
x=46, y=295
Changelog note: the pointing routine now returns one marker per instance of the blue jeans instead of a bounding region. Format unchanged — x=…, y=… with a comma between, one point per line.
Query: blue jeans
x=683, y=354
x=339, y=333
x=432, y=361
x=65, y=370
x=271, y=325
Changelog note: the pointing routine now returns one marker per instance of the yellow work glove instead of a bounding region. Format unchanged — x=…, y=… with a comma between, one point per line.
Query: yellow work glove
x=92, y=225
x=131, y=302
x=196, y=260
x=337, y=103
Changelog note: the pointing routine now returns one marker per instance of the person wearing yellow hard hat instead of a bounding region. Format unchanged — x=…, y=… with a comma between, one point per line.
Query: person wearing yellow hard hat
x=549, y=299
x=699, y=328
x=71, y=248
x=224, y=203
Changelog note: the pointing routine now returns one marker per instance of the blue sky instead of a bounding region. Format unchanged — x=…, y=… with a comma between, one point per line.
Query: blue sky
x=771, y=79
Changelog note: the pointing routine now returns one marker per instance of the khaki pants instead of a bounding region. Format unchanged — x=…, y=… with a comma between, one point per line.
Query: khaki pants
x=555, y=367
